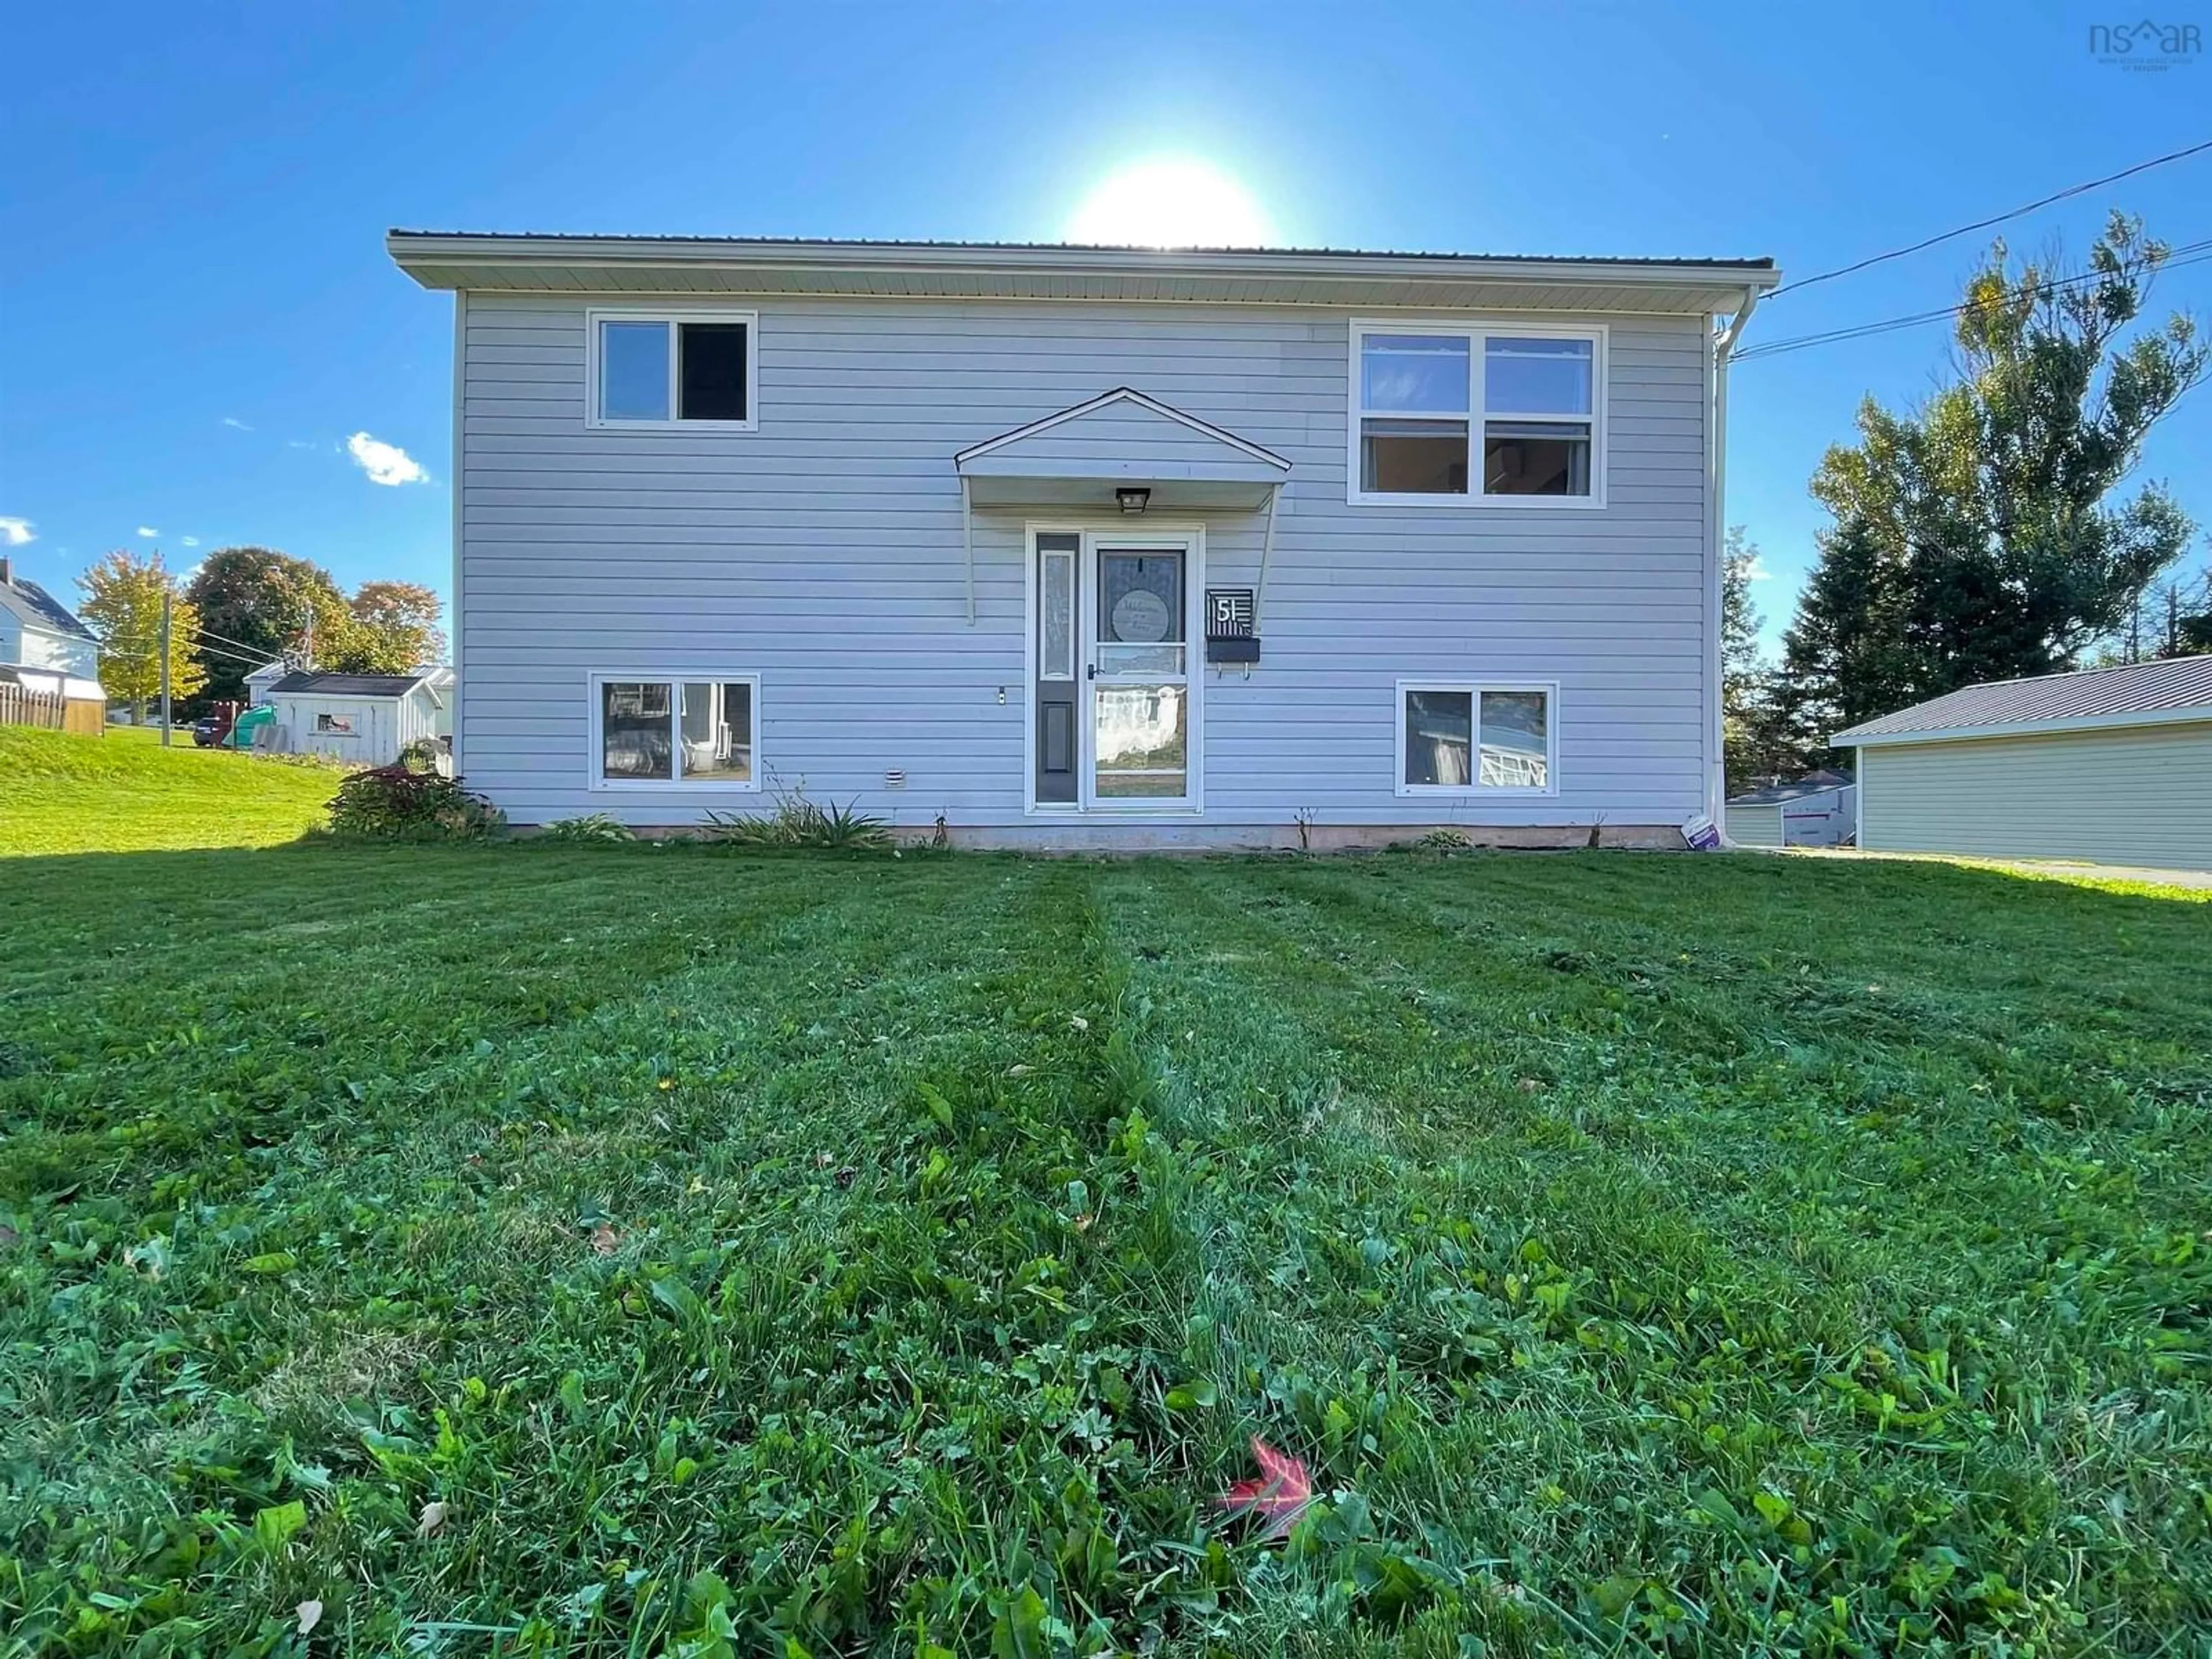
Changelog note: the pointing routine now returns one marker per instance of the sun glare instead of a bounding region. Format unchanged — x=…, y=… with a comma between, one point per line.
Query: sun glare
x=1171, y=204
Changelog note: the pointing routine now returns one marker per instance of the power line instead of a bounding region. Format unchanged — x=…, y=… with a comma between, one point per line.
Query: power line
x=207, y=632
x=198, y=639
x=2190, y=253
x=1996, y=219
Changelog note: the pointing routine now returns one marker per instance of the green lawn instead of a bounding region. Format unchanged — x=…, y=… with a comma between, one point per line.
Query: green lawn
x=634, y=1250
x=123, y=792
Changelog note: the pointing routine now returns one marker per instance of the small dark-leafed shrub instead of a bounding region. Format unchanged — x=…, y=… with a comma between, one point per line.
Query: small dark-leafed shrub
x=392, y=803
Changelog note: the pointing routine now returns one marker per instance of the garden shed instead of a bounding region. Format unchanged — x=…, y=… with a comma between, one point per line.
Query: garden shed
x=367, y=719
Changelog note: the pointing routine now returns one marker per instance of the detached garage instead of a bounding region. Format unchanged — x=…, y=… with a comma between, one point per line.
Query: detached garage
x=2109, y=766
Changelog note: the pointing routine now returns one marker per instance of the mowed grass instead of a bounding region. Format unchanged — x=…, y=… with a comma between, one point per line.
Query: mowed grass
x=636, y=1250
x=62, y=793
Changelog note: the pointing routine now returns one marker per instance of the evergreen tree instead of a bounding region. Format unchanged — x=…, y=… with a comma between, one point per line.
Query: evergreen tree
x=1973, y=539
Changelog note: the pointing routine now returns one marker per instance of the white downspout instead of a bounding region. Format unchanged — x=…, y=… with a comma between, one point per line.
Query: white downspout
x=1722, y=345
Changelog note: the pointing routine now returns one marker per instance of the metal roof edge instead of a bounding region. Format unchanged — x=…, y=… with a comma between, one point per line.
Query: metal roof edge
x=1854, y=739
x=411, y=247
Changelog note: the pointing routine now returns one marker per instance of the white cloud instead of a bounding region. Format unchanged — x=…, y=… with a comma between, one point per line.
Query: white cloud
x=144, y=531
x=233, y=421
x=302, y=443
x=189, y=541
x=1757, y=570
x=385, y=464
x=14, y=532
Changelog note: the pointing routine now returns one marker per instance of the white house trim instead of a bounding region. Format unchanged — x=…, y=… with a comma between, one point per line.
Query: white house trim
x=1107, y=400
x=676, y=788
x=604, y=265
x=1189, y=535
x=674, y=316
x=1472, y=789
x=1476, y=331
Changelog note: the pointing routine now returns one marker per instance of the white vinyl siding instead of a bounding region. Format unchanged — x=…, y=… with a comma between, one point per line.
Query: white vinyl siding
x=825, y=551
x=380, y=728
x=2122, y=795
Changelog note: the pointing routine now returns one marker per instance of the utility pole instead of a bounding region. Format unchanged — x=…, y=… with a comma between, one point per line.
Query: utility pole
x=165, y=668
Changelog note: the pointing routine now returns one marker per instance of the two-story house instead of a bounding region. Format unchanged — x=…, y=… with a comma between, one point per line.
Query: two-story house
x=46, y=651
x=1071, y=546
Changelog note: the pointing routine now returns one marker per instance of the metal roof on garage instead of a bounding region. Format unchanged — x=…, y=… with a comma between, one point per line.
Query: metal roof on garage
x=2128, y=694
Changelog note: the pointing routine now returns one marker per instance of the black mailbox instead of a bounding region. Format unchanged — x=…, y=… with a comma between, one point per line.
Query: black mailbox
x=1229, y=632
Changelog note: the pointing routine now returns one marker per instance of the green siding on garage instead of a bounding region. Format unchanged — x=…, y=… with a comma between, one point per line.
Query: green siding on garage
x=1755, y=826
x=2138, y=794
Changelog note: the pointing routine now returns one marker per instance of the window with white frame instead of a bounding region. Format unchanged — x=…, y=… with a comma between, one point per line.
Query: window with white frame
x=691, y=370
x=1457, y=736
x=674, y=730
x=1440, y=414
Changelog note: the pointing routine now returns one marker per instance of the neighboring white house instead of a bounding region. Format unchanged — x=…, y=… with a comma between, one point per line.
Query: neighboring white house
x=262, y=679
x=1090, y=546
x=56, y=655
x=1818, y=810
x=367, y=718
x=2110, y=765
x=37, y=631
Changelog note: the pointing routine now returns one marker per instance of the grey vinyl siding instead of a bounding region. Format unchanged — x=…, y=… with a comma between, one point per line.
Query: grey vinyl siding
x=823, y=552
x=2138, y=794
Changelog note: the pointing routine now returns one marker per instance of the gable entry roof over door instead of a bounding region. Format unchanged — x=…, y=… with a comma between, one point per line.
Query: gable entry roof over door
x=1080, y=456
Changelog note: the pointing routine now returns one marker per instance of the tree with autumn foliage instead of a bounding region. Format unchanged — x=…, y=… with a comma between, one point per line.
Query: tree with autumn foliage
x=257, y=603
x=123, y=596
x=395, y=628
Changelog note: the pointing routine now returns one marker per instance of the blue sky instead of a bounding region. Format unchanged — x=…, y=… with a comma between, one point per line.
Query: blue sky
x=197, y=315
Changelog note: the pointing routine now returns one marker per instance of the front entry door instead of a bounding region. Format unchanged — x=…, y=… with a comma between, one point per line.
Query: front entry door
x=1113, y=691
x=1139, y=678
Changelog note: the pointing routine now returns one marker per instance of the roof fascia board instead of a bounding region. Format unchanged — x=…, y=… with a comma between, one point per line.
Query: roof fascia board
x=2026, y=728
x=1107, y=400
x=411, y=248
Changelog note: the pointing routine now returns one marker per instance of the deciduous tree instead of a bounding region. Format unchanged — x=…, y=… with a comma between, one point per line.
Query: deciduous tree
x=123, y=596
x=257, y=602
x=395, y=630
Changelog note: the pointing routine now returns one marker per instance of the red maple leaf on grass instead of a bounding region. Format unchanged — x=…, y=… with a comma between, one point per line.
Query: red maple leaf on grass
x=1279, y=1496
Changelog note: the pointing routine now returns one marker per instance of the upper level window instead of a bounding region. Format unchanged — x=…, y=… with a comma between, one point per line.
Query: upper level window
x=692, y=369
x=1421, y=396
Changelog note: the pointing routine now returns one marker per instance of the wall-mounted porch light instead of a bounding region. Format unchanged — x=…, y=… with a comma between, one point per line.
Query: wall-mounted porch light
x=1134, y=498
